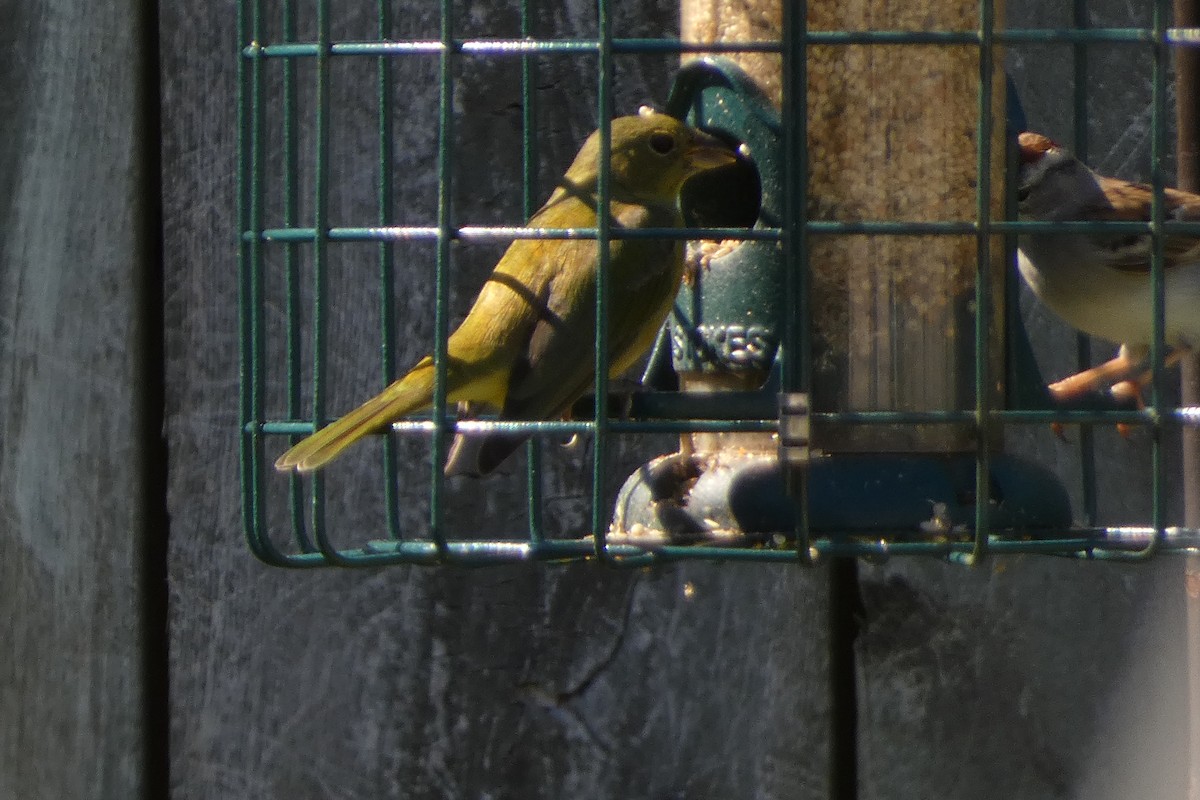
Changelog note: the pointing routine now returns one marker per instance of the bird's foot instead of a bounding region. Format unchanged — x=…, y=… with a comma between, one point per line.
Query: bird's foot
x=1128, y=393
x=1076, y=386
x=1111, y=374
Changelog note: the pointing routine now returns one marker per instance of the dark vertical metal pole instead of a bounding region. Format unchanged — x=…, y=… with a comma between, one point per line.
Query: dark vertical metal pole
x=603, y=255
x=291, y=265
x=386, y=252
x=983, y=282
x=529, y=206
x=320, y=265
x=1083, y=342
x=150, y=412
x=797, y=363
x=1187, y=146
x=1158, y=148
x=446, y=235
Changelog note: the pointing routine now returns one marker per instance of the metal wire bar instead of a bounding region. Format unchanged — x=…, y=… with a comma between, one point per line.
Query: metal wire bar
x=1178, y=417
x=387, y=314
x=480, y=233
x=1085, y=543
x=797, y=362
x=1086, y=447
x=505, y=233
x=983, y=282
x=529, y=204
x=512, y=47
x=446, y=235
x=1158, y=149
x=1184, y=37
x=291, y=268
x=250, y=317
x=320, y=271
x=603, y=258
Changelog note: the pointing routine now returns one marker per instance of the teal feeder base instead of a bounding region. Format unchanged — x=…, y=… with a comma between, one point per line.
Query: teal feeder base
x=680, y=499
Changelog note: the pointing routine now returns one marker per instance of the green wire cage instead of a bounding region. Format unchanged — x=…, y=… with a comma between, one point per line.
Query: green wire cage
x=299, y=83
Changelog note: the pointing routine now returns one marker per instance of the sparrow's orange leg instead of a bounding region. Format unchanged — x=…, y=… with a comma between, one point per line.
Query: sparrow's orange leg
x=1118, y=374
x=1089, y=380
x=1129, y=391
x=1081, y=383
x=1134, y=389
x=1113, y=373
x=1143, y=380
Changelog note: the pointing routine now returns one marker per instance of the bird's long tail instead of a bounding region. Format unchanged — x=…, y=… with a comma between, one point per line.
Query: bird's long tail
x=411, y=393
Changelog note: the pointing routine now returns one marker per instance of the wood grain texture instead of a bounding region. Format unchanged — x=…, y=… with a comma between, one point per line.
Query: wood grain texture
x=73, y=224
x=1027, y=678
x=523, y=681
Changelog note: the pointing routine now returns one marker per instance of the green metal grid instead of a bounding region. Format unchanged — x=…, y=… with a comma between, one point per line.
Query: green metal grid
x=312, y=544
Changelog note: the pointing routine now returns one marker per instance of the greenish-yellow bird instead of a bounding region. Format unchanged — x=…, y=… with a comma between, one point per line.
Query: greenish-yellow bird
x=527, y=346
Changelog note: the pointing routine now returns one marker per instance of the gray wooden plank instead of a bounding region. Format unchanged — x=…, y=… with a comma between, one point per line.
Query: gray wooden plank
x=75, y=220
x=1029, y=678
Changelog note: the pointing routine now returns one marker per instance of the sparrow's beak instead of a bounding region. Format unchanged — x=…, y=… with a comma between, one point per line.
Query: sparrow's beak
x=708, y=152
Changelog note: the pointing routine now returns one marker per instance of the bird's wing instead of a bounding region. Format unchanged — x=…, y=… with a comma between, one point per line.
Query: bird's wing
x=557, y=363
x=1131, y=202
x=1183, y=207
x=644, y=275
x=481, y=353
x=492, y=339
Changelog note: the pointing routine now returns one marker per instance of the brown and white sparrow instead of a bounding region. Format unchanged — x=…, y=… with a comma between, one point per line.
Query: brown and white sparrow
x=1100, y=282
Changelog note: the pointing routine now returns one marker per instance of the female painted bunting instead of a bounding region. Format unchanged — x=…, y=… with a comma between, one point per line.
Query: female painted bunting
x=526, y=347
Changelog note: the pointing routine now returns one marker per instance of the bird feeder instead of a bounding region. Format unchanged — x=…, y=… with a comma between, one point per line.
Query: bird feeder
x=896, y=270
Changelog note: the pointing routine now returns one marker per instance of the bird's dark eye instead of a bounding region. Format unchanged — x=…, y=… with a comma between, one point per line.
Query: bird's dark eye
x=662, y=143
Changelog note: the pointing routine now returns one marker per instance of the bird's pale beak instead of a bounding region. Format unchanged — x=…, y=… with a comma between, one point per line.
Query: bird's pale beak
x=708, y=152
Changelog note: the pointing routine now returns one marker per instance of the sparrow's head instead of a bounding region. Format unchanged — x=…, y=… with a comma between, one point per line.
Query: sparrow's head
x=1034, y=146
x=1051, y=184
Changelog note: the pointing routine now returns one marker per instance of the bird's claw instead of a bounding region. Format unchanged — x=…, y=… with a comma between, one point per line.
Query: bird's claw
x=1127, y=392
